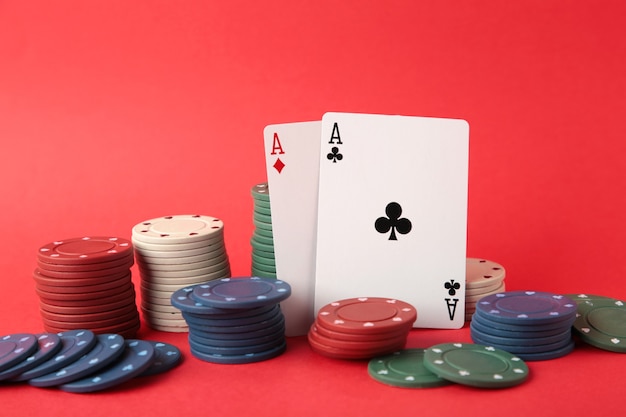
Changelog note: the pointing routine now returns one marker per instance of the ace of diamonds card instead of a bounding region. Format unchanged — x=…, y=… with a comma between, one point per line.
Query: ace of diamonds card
x=392, y=213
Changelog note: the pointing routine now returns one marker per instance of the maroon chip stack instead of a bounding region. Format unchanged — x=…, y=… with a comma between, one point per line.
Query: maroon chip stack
x=85, y=283
x=361, y=328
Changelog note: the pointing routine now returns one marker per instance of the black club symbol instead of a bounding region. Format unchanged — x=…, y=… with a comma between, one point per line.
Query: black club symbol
x=334, y=155
x=393, y=221
x=452, y=287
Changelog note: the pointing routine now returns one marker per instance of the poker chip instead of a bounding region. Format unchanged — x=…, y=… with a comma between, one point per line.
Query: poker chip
x=86, y=283
x=234, y=320
x=48, y=345
x=532, y=325
x=482, y=278
x=107, y=349
x=174, y=252
x=136, y=358
x=361, y=328
x=166, y=357
x=404, y=369
x=601, y=322
x=262, y=241
x=475, y=365
x=14, y=348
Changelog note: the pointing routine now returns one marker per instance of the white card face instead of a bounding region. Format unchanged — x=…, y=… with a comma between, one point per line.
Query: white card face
x=292, y=162
x=392, y=213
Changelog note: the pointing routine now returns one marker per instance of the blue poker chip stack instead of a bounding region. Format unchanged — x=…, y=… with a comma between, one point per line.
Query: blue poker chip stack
x=234, y=320
x=530, y=324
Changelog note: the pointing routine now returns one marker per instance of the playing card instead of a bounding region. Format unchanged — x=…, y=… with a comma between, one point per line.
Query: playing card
x=392, y=213
x=292, y=162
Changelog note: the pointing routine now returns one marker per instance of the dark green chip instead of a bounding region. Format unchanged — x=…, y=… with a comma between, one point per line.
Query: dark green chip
x=404, y=369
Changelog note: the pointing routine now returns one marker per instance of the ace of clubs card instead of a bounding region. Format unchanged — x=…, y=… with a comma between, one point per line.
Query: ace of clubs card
x=392, y=213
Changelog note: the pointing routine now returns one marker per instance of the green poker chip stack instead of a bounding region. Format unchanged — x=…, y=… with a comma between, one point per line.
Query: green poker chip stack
x=262, y=241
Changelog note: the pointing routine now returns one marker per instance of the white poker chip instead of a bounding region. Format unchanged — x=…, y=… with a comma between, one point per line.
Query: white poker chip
x=179, y=229
x=482, y=273
x=173, y=266
x=157, y=273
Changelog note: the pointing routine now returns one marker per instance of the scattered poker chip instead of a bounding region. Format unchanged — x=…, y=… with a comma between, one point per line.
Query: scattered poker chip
x=526, y=306
x=241, y=292
x=404, y=369
x=85, y=250
x=602, y=323
x=75, y=343
x=475, y=365
x=48, y=345
x=135, y=359
x=107, y=349
x=366, y=315
x=166, y=357
x=14, y=348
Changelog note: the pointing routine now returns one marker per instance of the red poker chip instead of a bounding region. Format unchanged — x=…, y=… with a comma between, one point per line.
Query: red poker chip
x=130, y=298
x=337, y=353
x=77, y=282
x=84, y=324
x=46, y=266
x=126, y=330
x=356, y=345
x=104, y=315
x=356, y=337
x=367, y=315
x=118, y=283
x=98, y=273
x=87, y=303
x=85, y=250
x=96, y=295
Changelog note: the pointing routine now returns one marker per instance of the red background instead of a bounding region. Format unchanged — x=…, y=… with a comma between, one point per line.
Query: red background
x=113, y=112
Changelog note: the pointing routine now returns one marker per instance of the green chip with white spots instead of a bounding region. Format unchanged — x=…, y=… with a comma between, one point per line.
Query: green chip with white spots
x=475, y=365
x=404, y=369
x=602, y=323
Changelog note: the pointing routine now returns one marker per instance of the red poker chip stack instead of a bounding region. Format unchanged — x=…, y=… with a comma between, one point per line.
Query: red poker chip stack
x=361, y=328
x=85, y=283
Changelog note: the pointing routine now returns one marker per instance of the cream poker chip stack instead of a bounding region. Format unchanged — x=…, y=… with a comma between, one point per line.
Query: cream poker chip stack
x=482, y=278
x=174, y=252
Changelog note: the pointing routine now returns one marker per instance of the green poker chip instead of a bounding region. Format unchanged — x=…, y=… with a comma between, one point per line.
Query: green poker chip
x=258, y=258
x=261, y=246
x=602, y=323
x=587, y=298
x=262, y=274
x=262, y=225
x=265, y=205
x=263, y=218
x=265, y=211
x=261, y=192
x=404, y=369
x=264, y=240
x=475, y=365
x=265, y=233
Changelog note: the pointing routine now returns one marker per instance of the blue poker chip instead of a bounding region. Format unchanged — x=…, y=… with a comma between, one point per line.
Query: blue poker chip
x=14, y=348
x=247, y=341
x=519, y=349
x=241, y=359
x=136, y=358
x=182, y=300
x=526, y=307
x=484, y=319
x=275, y=320
x=240, y=350
x=166, y=357
x=265, y=331
x=75, y=343
x=108, y=348
x=230, y=314
x=520, y=339
x=204, y=321
x=486, y=326
x=548, y=355
x=247, y=292
x=48, y=345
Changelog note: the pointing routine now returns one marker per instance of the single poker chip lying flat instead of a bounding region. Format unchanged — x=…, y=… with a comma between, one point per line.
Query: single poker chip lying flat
x=404, y=369
x=49, y=345
x=245, y=292
x=14, y=348
x=526, y=307
x=475, y=365
x=107, y=349
x=166, y=357
x=137, y=357
x=366, y=315
x=602, y=323
x=75, y=343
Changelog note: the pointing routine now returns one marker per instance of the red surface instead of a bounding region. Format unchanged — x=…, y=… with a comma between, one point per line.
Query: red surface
x=115, y=112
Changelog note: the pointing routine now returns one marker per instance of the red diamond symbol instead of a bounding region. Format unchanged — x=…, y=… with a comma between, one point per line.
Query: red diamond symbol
x=278, y=165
